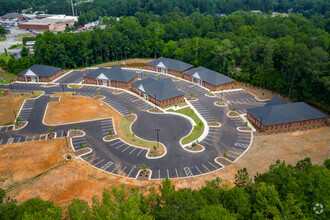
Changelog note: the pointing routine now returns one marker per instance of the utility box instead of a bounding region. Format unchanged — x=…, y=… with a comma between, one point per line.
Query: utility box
x=6, y=92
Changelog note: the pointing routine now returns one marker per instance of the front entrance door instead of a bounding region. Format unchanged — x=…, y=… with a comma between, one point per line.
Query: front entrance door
x=163, y=70
x=33, y=79
x=104, y=82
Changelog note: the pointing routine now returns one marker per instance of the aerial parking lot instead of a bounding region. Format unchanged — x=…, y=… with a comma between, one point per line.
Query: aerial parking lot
x=124, y=158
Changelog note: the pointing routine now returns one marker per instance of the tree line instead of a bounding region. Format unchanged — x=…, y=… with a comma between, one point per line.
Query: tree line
x=287, y=55
x=284, y=192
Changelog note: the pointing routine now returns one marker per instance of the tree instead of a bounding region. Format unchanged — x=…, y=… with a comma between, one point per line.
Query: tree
x=2, y=30
x=49, y=130
x=214, y=118
x=25, y=52
x=75, y=128
x=191, y=95
x=110, y=132
x=143, y=167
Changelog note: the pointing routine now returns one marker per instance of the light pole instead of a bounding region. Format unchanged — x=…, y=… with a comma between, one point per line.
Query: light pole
x=221, y=95
x=11, y=87
x=157, y=130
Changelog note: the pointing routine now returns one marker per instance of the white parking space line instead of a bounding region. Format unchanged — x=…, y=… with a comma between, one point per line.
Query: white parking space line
x=120, y=145
x=198, y=169
x=88, y=157
x=115, y=168
x=10, y=140
x=168, y=175
x=1, y=141
x=125, y=148
x=130, y=172
x=187, y=171
x=213, y=165
x=176, y=171
x=93, y=160
x=132, y=150
x=122, y=171
x=206, y=168
x=98, y=162
x=19, y=139
x=158, y=173
x=139, y=153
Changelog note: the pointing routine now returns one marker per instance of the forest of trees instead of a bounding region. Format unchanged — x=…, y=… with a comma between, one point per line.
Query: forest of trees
x=284, y=192
x=287, y=55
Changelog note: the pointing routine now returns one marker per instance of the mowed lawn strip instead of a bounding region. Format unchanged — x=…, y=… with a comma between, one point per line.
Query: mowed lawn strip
x=125, y=125
x=198, y=128
x=181, y=104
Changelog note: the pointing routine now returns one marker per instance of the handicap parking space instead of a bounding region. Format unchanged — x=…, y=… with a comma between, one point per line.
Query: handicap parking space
x=140, y=104
x=26, y=109
x=106, y=126
x=205, y=113
x=115, y=105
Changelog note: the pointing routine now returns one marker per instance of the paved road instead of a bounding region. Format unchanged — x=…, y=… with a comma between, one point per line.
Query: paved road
x=123, y=159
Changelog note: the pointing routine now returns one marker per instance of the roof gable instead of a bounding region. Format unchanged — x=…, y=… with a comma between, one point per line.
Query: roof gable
x=171, y=64
x=102, y=76
x=141, y=88
x=40, y=70
x=29, y=72
x=161, y=64
x=196, y=75
x=116, y=73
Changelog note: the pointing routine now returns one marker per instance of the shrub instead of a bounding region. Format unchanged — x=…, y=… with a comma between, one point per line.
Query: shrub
x=159, y=78
x=155, y=147
x=263, y=93
x=246, y=123
x=193, y=144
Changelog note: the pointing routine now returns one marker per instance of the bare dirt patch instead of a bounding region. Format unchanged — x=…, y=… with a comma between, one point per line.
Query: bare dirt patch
x=82, y=151
x=192, y=99
x=9, y=104
x=127, y=63
x=233, y=114
x=75, y=133
x=261, y=94
x=155, y=110
x=76, y=108
x=20, y=125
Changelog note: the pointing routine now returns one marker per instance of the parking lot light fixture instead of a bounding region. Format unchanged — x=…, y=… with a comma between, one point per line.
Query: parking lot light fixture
x=157, y=130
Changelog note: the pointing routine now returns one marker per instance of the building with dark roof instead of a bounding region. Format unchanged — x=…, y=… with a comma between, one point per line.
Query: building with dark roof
x=39, y=73
x=277, y=115
x=168, y=66
x=115, y=76
x=12, y=16
x=161, y=92
x=208, y=78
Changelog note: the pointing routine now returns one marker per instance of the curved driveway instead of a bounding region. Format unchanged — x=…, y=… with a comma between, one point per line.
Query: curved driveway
x=120, y=158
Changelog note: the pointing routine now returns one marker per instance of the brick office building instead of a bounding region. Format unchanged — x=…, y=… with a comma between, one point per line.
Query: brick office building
x=278, y=115
x=161, y=92
x=168, y=66
x=116, y=77
x=39, y=73
x=209, y=78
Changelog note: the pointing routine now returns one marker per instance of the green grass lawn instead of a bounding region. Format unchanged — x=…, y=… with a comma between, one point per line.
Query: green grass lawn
x=1, y=92
x=24, y=35
x=15, y=46
x=5, y=77
x=2, y=38
x=75, y=86
x=4, y=57
x=125, y=125
x=198, y=129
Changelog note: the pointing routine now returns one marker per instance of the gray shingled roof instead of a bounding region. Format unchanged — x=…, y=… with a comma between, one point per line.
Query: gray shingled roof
x=41, y=70
x=210, y=76
x=164, y=89
x=275, y=101
x=172, y=64
x=12, y=15
x=114, y=74
x=285, y=113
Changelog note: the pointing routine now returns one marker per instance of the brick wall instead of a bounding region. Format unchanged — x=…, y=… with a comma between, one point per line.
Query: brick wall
x=118, y=84
x=162, y=103
x=285, y=126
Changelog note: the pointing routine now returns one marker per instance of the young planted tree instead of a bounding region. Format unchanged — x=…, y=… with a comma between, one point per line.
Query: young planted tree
x=191, y=95
x=98, y=92
x=214, y=118
x=81, y=145
x=129, y=111
x=110, y=132
x=49, y=130
x=143, y=167
x=225, y=154
x=234, y=109
x=75, y=128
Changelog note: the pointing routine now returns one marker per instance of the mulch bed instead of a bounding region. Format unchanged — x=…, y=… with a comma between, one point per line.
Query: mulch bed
x=210, y=94
x=196, y=148
x=82, y=151
x=130, y=117
x=50, y=85
x=156, y=110
x=75, y=133
x=117, y=91
x=220, y=103
x=51, y=136
x=224, y=161
x=176, y=79
x=245, y=128
x=216, y=124
x=192, y=99
x=154, y=153
x=110, y=137
x=233, y=114
x=144, y=175
x=20, y=124
x=98, y=97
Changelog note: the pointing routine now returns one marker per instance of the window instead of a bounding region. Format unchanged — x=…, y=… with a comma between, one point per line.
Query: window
x=290, y=125
x=286, y=126
x=310, y=122
x=318, y=121
x=276, y=127
x=305, y=123
x=272, y=127
x=313, y=122
x=267, y=128
x=281, y=126
x=300, y=123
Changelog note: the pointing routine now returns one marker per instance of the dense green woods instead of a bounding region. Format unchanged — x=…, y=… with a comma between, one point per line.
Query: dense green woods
x=284, y=192
x=288, y=55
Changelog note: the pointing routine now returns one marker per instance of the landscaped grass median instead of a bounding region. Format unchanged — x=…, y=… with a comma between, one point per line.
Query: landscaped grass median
x=198, y=128
x=75, y=86
x=125, y=125
x=181, y=104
